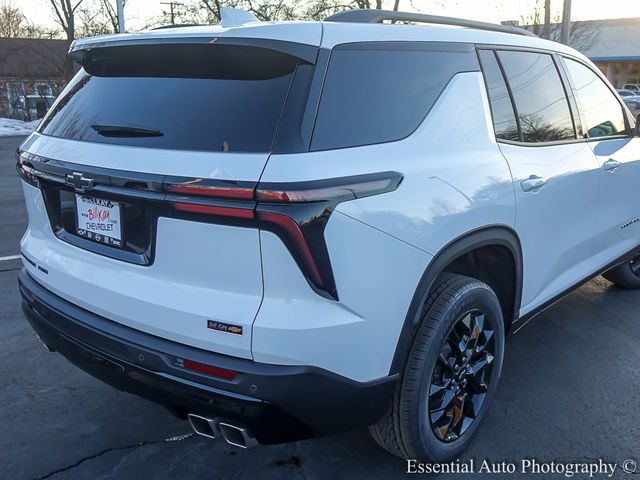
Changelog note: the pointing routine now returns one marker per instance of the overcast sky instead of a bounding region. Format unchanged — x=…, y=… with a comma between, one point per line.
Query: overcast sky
x=139, y=12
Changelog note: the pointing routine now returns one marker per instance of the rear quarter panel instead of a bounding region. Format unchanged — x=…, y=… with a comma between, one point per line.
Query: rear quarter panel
x=455, y=178
x=455, y=181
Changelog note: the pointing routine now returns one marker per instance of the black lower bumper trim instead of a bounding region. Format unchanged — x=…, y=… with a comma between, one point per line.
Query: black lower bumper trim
x=278, y=403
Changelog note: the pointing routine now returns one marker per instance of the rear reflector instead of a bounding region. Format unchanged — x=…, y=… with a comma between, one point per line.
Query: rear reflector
x=208, y=369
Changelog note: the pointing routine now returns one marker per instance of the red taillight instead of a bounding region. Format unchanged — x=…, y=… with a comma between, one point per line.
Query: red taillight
x=349, y=190
x=214, y=210
x=195, y=188
x=208, y=369
x=296, y=211
x=295, y=235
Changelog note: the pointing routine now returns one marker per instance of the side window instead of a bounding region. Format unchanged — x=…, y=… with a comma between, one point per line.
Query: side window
x=602, y=112
x=504, y=118
x=540, y=99
x=375, y=93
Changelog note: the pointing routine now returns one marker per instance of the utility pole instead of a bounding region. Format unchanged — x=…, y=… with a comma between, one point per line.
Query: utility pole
x=566, y=22
x=546, y=33
x=172, y=10
x=120, y=9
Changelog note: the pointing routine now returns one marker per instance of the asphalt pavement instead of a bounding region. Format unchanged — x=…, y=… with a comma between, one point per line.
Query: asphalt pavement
x=570, y=391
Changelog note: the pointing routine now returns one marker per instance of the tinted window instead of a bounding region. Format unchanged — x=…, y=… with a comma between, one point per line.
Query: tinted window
x=214, y=98
x=540, y=99
x=375, y=94
x=504, y=118
x=602, y=112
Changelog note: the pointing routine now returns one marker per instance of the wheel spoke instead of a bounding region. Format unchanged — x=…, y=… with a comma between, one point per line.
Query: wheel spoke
x=478, y=386
x=476, y=402
x=445, y=402
x=441, y=422
x=447, y=358
x=436, y=389
x=476, y=331
x=487, y=335
x=458, y=413
x=476, y=367
x=458, y=343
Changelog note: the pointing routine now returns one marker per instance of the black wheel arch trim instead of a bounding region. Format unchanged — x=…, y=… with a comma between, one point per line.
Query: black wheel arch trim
x=498, y=235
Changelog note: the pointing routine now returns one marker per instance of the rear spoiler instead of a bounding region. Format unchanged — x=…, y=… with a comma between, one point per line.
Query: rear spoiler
x=81, y=50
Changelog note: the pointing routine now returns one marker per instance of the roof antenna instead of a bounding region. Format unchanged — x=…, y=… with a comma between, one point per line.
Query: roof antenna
x=233, y=17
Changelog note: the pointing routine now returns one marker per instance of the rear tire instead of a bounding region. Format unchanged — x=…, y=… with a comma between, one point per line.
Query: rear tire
x=625, y=275
x=445, y=388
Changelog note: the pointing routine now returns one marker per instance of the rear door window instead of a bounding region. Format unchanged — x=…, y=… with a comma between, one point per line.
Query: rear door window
x=602, y=112
x=381, y=91
x=184, y=97
x=539, y=96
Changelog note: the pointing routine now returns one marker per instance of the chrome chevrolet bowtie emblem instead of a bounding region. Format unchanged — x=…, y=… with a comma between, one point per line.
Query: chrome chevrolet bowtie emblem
x=79, y=181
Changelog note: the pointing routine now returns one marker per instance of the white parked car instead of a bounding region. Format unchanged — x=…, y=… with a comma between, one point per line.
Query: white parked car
x=284, y=230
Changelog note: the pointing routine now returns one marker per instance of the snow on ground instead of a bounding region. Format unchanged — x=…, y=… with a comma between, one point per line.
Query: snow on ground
x=10, y=127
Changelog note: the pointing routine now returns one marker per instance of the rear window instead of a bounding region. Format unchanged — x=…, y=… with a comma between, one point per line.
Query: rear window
x=380, y=92
x=184, y=97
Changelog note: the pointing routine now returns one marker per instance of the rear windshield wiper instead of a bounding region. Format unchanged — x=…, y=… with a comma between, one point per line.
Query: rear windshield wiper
x=125, y=132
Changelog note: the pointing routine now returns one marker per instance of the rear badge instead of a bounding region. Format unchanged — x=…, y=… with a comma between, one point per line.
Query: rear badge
x=224, y=327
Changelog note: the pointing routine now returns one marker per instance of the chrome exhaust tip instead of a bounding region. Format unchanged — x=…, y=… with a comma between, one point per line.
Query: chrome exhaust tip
x=207, y=427
x=46, y=347
x=237, y=436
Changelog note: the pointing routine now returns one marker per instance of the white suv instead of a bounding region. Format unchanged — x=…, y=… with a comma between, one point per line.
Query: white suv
x=284, y=230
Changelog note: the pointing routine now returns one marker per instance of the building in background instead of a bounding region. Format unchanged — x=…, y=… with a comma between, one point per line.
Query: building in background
x=31, y=76
x=613, y=45
x=617, y=49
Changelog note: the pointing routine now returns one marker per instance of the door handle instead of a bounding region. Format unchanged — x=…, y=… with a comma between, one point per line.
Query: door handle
x=533, y=183
x=610, y=165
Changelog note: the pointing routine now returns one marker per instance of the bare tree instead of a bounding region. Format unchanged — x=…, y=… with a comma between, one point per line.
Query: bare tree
x=13, y=23
x=110, y=11
x=92, y=20
x=65, y=16
x=582, y=34
x=208, y=11
x=11, y=20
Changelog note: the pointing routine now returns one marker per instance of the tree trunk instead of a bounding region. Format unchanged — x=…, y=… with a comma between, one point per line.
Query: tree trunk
x=546, y=33
x=566, y=22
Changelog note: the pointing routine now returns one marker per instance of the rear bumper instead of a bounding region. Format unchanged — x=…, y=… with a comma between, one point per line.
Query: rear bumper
x=278, y=403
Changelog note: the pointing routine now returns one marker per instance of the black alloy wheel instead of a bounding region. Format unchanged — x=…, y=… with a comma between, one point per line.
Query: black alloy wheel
x=461, y=376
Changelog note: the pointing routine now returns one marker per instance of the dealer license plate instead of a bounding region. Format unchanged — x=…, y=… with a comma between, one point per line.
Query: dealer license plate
x=99, y=220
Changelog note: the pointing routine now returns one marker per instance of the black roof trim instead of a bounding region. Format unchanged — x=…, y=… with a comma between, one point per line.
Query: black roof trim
x=379, y=16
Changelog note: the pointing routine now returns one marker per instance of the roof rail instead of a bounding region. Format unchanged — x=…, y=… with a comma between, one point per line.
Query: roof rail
x=379, y=16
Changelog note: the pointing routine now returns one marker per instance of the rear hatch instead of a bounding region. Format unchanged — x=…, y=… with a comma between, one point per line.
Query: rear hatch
x=146, y=167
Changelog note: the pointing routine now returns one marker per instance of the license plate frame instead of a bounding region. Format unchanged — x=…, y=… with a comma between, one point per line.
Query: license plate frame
x=99, y=220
